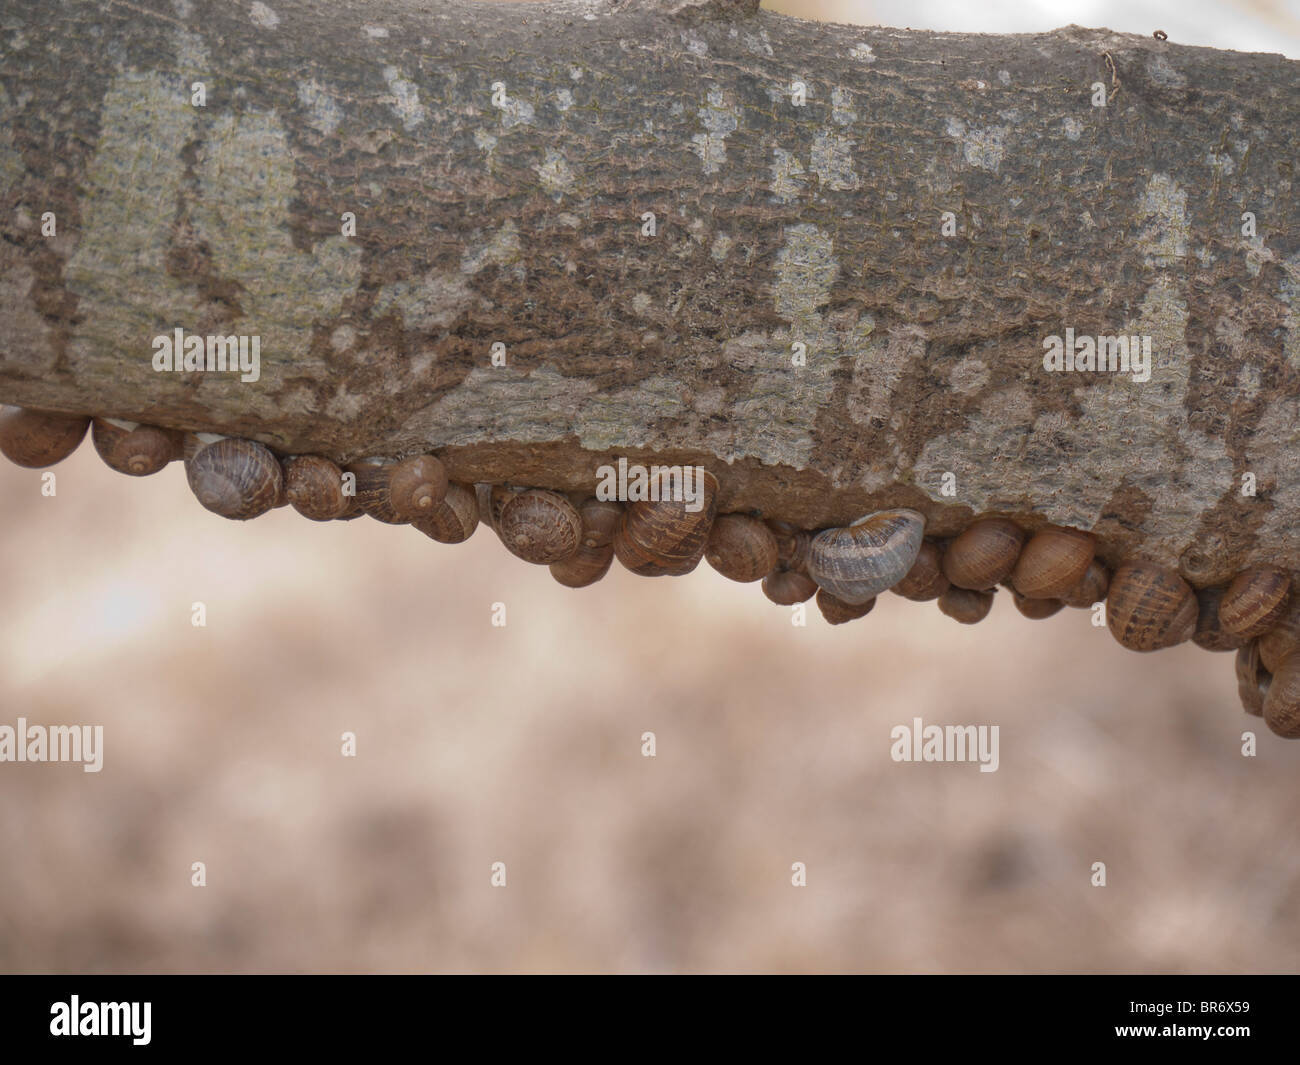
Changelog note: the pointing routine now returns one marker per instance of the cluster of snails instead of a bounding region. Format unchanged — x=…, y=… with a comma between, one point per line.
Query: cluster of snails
x=1147, y=606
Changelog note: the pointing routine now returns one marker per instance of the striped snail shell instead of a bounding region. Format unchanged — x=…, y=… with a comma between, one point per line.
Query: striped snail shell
x=1282, y=700
x=36, y=439
x=967, y=605
x=1052, y=563
x=1254, y=602
x=314, y=486
x=741, y=548
x=662, y=537
x=1210, y=633
x=1091, y=589
x=237, y=479
x=984, y=555
x=857, y=562
x=1252, y=680
x=453, y=520
x=416, y=485
x=539, y=526
x=1282, y=638
x=837, y=612
x=785, y=587
x=925, y=580
x=1150, y=607
x=134, y=449
x=373, y=484
x=595, y=553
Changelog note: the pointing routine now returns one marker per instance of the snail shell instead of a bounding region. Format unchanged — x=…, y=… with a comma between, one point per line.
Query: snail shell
x=133, y=449
x=1254, y=602
x=663, y=538
x=1035, y=609
x=1210, y=633
x=984, y=555
x=237, y=479
x=925, y=580
x=314, y=486
x=1252, y=680
x=416, y=485
x=600, y=518
x=1150, y=607
x=539, y=526
x=859, y=561
x=786, y=587
x=837, y=612
x=1052, y=563
x=967, y=605
x=1282, y=701
x=741, y=548
x=791, y=546
x=587, y=565
x=454, y=520
x=1282, y=638
x=1091, y=589
x=374, y=477
x=36, y=439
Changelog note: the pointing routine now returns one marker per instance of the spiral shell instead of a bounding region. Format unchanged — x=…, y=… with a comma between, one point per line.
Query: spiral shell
x=791, y=546
x=37, y=439
x=741, y=548
x=837, y=612
x=786, y=587
x=662, y=537
x=984, y=555
x=1252, y=680
x=1052, y=563
x=373, y=482
x=454, y=520
x=237, y=479
x=1210, y=633
x=1282, y=701
x=1035, y=609
x=859, y=561
x=1254, y=602
x=1150, y=607
x=539, y=526
x=133, y=449
x=415, y=486
x=1091, y=589
x=314, y=486
x=925, y=580
x=967, y=605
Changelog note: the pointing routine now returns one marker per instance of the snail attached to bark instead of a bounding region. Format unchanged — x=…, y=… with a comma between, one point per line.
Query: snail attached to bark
x=37, y=439
x=237, y=479
x=1052, y=563
x=666, y=536
x=1149, y=607
x=857, y=562
x=539, y=526
x=984, y=555
x=595, y=552
x=314, y=486
x=454, y=519
x=134, y=449
x=742, y=548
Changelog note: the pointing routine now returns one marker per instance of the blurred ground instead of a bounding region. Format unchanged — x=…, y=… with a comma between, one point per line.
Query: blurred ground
x=522, y=744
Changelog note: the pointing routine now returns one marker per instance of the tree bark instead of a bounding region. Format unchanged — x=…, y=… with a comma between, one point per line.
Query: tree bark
x=917, y=224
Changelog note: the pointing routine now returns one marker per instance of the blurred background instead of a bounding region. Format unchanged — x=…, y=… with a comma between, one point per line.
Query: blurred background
x=522, y=744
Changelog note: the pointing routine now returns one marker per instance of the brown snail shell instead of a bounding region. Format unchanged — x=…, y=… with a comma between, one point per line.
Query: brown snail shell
x=1150, y=607
x=925, y=580
x=967, y=605
x=1282, y=638
x=1053, y=562
x=791, y=546
x=373, y=478
x=37, y=439
x=663, y=538
x=539, y=526
x=416, y=485
x=1254, y=602
x=837, y=612
x=1091, y=589
x=984, y=555
x=741, y=548
x=1252, y=680
x=1282, y=701
x=585, y=566
x=857, y=562
x=454, y=520
x=314, y=487
x=600, y=518
x=1210, y=633
x=785, y=587
x=133, y=449
x=1035, y=609
x=237, y=479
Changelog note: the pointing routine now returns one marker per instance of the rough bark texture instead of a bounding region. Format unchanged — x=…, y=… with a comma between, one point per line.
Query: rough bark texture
x=499, y=160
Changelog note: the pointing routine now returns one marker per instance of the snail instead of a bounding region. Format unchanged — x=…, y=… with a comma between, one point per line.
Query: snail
x=859, y=561
x=837, y=612
x=314, y=486
x=1252, y=680
x=454, y=519
x=984, y=555
x=539, y=526
x=36, y=439
x=1052, y=563
x=595, y=553
x=237, y=479
x=662, y=537
x=785, y=587
x=134, y=449
x=1149, y=607
x=1035, y=609
x=967, y=605
x=1091, y=589
x=1210, y=633
x=791, y=546
x=1254, y=602
x=925, y=580
x=1282, y=638
x=1282, y=700
x=741, y=548
x=399, y=492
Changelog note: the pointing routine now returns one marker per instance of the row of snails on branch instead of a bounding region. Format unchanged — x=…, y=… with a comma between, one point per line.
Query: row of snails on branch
x=1148, y=606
